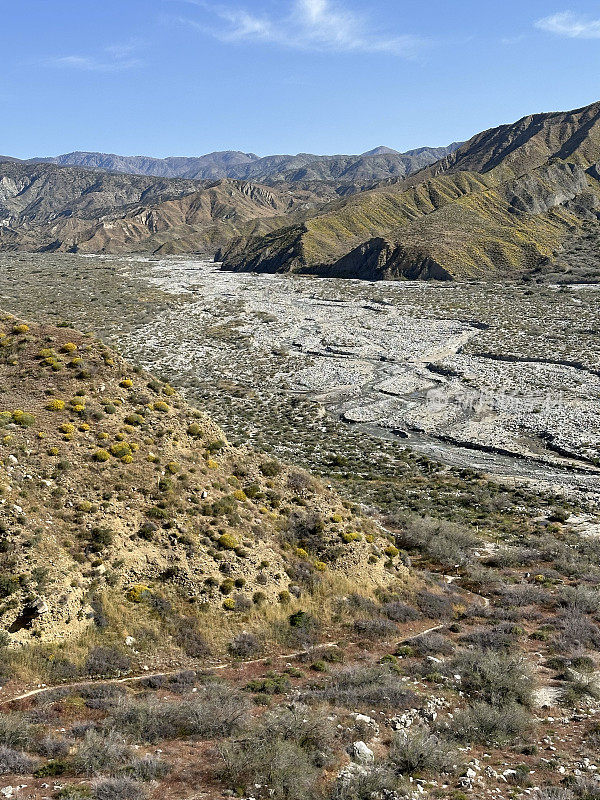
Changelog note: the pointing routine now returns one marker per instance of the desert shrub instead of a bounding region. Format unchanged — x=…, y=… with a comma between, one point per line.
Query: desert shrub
x=433, y=606
x=443, y=542
x=420, y=751
x=304, y=573
x=374, y=628
x=554, y=793
x=284, y=751
x=487, y=724
x=181, y=682
x=220, y=711
x=332, y=655
x=217, y=711
x=357, y=605
x=272, y=683
x=53, y=746
x=313, y=730
x=281, y=765
x=497, y=678
x=14, y=762
x=506, y=557
x=585, y=788
x=100, y=695
x=22, y=418
x=582, y=599
x=100, y=618
x=270, y=468
x=524, y=595
x=51, y=769
x=100, y=538
x=245, y=645
x=431, y=644
x=15, y=730
x=118, y=789
x=107, y=661
x=148, y=768
x=193, y=643
x=305, y=529
x=304, y=629
x=134, y=419
x=8, y=585
x=145, y=720
x=576, y=632
x=497, y=637
x=359, y=785
x=364, y=687
x=300, y=482
x=100, y=753
x=400, y=612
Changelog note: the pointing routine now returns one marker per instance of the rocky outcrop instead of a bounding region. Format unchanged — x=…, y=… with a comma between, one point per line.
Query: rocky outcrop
x=546, y=188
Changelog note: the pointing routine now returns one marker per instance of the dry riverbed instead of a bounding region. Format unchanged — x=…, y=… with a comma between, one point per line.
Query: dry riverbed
x=503, y=379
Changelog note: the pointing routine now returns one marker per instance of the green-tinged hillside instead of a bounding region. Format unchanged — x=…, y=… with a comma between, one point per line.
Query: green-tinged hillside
x=454, y=226
x=501, y=205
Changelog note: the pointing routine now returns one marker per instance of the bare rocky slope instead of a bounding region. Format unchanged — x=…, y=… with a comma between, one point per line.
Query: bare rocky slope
x=45, y=207
x=119, y=500
x=501, y=205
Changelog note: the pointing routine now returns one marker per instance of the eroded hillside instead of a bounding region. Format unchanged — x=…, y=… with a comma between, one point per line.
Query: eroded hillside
x=115, y=492
x=50, y=208
x=501, y=205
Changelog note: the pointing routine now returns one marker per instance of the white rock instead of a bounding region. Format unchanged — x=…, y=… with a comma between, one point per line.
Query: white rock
x=362, y=754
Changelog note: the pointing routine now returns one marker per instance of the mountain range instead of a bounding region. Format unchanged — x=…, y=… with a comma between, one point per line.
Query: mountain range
x=375, y=165
x=503, y=205
x=44, y=207
x=91, y=202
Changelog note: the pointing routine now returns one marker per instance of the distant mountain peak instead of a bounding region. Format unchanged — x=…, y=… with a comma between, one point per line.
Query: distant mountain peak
x=382, y=151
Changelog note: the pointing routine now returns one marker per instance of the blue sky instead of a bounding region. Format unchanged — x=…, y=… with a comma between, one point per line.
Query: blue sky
x=185, y=77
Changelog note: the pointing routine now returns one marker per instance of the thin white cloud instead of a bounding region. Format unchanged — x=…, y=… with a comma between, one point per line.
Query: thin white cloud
x=568, y=24
x=115, y=58
x=510, y=40
x=323, y=25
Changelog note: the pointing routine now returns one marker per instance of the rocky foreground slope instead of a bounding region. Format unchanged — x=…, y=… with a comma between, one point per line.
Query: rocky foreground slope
x=119, y=500
x=500, y=206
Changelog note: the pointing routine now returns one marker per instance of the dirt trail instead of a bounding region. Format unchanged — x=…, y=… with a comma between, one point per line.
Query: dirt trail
x=280, y=657
x=136, y=678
